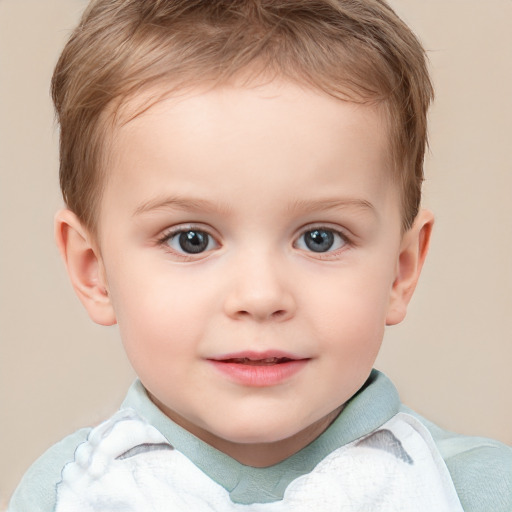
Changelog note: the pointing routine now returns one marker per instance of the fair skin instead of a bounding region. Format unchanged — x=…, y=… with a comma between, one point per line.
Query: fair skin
x=249, y=247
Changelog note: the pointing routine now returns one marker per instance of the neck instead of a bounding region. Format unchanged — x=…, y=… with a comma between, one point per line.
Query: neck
x=258, y=455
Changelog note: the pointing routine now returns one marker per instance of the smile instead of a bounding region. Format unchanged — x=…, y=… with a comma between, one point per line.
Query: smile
x=259, y=370
x=258, y=362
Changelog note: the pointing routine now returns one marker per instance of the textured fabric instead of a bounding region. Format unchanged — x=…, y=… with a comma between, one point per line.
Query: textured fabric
x=481, y=470
x=127, y=464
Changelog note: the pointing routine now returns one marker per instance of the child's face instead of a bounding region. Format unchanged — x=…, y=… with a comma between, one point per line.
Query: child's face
x=250, y=244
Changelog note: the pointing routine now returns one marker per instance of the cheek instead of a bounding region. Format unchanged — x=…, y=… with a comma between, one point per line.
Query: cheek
x=350, y=309
x=159, y=310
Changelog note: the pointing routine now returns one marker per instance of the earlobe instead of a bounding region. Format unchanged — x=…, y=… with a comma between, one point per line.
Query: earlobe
x=84, y=266
x=413, y=251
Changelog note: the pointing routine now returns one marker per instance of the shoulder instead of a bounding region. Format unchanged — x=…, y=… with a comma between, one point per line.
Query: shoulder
x=482, y=473
x=37, y=490
x=481, y=468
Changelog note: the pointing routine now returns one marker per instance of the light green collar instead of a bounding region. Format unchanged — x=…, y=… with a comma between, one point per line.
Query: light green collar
x=374, y=404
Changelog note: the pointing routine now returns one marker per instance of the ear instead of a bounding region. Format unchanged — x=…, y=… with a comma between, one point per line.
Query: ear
x=85, y=267
x=413, y=251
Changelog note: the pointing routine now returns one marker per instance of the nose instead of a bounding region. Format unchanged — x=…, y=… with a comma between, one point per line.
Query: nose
x=260, y=290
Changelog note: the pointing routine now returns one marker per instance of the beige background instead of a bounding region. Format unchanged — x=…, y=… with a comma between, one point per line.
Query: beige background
x=450, y=358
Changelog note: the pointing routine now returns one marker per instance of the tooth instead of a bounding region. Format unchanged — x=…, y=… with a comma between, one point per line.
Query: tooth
x=264, y=361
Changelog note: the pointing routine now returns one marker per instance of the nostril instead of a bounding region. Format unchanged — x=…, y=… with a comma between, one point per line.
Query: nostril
x=280, y=313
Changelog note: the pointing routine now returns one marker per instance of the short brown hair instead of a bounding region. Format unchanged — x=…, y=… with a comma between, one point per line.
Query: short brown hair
x=352, y=49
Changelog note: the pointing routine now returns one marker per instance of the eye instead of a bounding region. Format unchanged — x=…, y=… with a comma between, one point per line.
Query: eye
x=321, y=240
x=190, y=241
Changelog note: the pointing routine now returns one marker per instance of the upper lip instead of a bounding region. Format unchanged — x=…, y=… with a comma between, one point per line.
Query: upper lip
x=264, y=356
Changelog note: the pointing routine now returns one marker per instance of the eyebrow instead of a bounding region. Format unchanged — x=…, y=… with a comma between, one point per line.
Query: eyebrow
x=203, y=205
x=319, y=205
x=179, y=203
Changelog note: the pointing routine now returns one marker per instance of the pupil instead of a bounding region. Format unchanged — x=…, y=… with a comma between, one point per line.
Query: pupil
x=319, y=240
x=193, y=241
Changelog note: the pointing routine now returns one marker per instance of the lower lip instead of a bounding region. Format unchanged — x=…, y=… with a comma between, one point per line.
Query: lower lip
x=259, y=375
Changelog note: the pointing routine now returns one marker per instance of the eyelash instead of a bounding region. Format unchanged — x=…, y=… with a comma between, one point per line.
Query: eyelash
x=329, y=253
x=174, y=232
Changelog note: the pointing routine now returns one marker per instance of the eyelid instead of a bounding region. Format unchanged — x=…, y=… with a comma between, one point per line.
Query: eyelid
x=329, y=254
x=173, y=231
x=343, y=232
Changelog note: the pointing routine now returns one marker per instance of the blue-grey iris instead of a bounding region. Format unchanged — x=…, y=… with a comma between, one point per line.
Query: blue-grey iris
x=193, y=242
x=319, y=240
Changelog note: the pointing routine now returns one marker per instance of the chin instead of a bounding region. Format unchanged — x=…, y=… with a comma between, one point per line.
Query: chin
x=258, y=433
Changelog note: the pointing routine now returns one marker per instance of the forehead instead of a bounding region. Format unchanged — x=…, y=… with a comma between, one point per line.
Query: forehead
x=278, y=134
x=244, y=90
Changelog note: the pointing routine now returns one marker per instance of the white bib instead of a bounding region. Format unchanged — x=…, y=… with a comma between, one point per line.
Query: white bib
x=128, y=465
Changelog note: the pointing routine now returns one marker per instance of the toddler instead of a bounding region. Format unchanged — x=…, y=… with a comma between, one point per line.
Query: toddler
x=242, y=182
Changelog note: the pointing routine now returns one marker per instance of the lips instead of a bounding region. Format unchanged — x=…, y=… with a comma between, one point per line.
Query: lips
x=255, y=369
x=257, y=362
